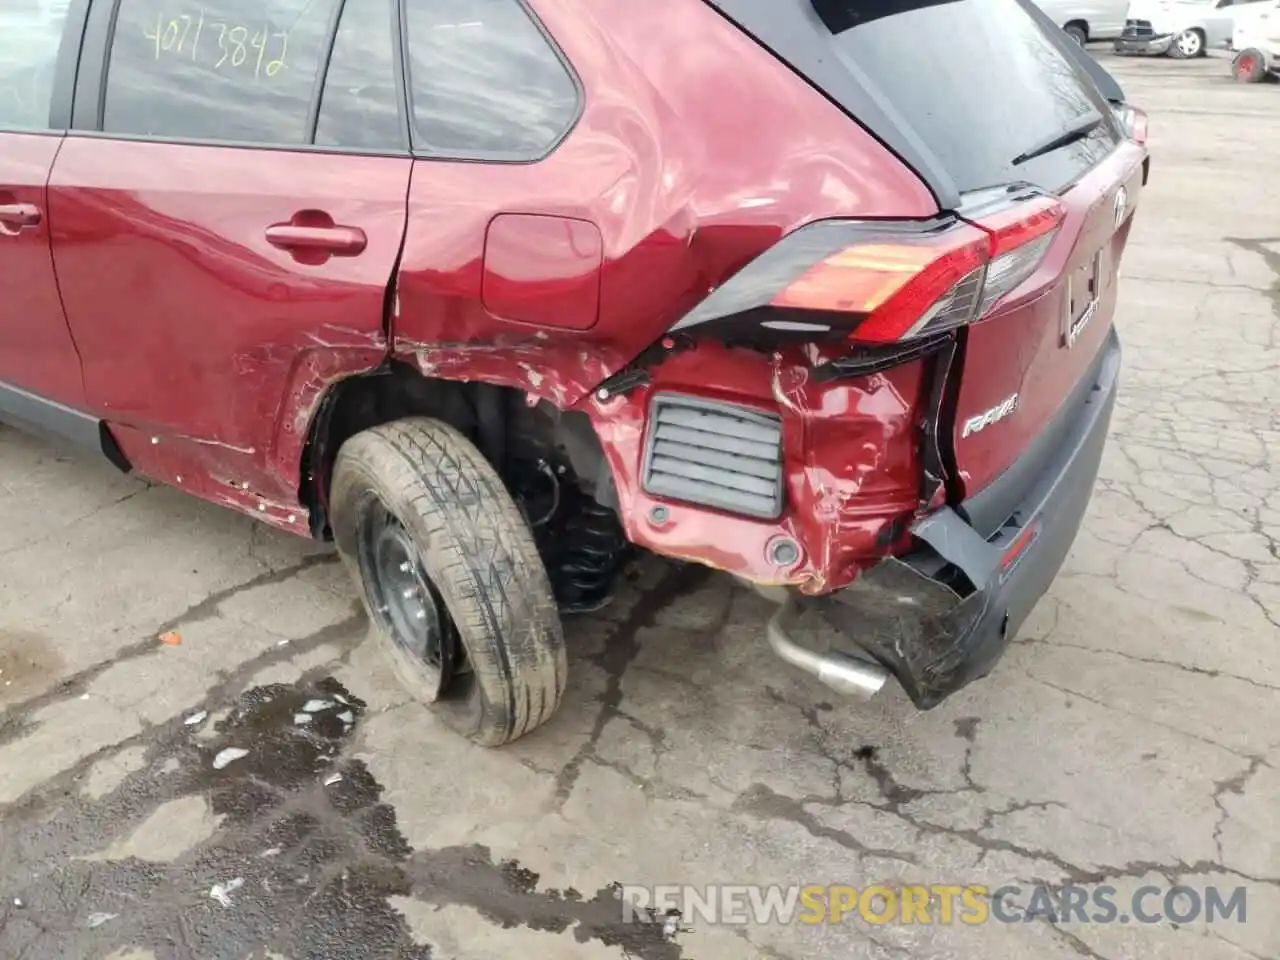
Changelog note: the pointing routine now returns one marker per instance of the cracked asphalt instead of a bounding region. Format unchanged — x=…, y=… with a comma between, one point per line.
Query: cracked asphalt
x=1131, y=736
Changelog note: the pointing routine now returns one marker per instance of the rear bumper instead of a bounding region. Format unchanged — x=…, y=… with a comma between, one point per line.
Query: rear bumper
x=942, y=615
x=1145, y=45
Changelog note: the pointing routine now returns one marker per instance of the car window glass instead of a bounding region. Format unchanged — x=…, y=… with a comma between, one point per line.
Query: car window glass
x=239, y=70
x=485, y=81
x=359, y=108
x=30, y=34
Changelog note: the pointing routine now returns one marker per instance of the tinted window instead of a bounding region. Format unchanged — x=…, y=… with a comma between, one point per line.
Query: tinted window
x=486, y=82
x=218, y=69
x=30, y=33
x=360, y=93
x=964, y=85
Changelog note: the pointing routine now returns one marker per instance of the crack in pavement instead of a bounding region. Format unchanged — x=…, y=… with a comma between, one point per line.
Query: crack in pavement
x=760, y=801
x=620, y=648
x=230, y=685
x=1074, y=942
x=763, y=802
x=146, y=487
x=1156, y=661
x=14, y=719
x=1146, y=718
x=1234, y=785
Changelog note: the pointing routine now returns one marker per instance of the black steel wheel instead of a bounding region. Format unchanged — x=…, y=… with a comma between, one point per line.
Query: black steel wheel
x=457, y=594
x=403, y=600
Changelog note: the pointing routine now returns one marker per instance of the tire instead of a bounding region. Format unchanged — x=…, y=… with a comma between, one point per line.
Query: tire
x=1077, y=32
x=1249, y=66
x=1187, y=45
x=480, y=565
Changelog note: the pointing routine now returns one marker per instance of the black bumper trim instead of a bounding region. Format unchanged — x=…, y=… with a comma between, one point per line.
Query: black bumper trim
x=942, y=615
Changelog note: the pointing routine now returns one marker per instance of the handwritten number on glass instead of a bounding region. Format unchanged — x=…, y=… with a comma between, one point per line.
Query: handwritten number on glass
x=238, y=44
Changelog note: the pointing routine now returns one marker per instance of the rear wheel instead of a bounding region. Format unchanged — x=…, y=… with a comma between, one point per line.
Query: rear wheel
x=1077, y=32
x=456, y=592
x=1187, y=44
x=1249, y=66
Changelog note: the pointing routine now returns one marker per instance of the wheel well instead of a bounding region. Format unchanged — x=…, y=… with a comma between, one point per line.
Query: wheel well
x=498, y=420
x=1082, y=24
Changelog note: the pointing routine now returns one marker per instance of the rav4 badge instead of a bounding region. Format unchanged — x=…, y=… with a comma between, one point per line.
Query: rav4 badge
x=985, y=419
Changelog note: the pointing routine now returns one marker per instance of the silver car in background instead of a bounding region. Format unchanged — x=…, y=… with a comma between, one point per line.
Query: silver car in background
x=1086, y=20
x=1183, y=29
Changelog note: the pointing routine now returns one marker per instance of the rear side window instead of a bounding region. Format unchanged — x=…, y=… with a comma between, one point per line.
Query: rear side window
x=360, y=108
x=967, y=85
x=485, y=82
x=238, y=70
x=30, y=34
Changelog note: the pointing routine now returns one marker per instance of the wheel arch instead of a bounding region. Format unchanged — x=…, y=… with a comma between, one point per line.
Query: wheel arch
x=493, y=415
x=368, y=399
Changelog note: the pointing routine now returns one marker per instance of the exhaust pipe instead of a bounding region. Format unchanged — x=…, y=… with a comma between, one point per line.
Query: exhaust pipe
x=856, y=678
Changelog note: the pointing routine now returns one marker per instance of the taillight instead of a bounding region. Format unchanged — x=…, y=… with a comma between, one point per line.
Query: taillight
x=900, y=286
x=1133, y=121
x=907, y=289
x=885, y=282
x=1020, y=237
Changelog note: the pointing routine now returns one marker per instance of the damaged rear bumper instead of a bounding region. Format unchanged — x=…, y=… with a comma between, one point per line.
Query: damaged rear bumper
x=1144, y=45
x=941, y=615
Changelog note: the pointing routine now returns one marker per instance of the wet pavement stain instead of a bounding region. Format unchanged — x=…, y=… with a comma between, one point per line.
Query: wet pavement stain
x=28, y=663
x=303, y=861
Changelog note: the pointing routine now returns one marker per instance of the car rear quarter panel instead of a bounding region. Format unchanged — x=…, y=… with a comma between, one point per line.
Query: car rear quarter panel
x=850, y=454
x=695, y=151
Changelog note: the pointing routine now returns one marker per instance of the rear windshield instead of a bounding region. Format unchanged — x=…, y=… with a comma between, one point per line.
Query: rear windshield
x=960, y=86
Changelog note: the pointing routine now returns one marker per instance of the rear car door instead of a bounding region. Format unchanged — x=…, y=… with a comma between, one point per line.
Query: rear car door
x=228, y=208
x=36, y=351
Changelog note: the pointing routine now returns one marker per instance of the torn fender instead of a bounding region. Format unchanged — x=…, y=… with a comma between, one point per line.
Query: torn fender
x=560, y=371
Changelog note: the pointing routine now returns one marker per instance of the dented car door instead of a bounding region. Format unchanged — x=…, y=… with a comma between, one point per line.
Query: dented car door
x=226, y=228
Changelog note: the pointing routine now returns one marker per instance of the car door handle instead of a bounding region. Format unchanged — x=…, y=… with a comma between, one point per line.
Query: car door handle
x=19, y=215
x=335, y=241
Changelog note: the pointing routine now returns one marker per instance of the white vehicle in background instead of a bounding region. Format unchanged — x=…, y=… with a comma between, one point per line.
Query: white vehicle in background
x=1086, y=20
x=1181, y=28
x=1256, y=41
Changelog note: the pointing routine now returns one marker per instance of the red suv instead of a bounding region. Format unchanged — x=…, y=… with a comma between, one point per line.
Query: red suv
x=815, y=292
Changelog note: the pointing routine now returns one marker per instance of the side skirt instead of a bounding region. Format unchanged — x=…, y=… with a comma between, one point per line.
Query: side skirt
x=34, y=414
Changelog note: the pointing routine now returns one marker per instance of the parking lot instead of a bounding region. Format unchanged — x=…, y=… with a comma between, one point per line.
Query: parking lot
x=1130, y=737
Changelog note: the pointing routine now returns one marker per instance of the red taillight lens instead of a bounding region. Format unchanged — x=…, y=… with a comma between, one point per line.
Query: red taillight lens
x=913, y=286
x=1020, y=237
x=1133, y=121
x=894, y=284
x=885, y=281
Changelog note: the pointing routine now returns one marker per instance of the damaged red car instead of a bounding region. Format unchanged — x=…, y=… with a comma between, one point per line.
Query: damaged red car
x=493, y=292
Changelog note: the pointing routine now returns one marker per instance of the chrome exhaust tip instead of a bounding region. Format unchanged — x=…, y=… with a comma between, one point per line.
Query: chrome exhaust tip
x=844, y=675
